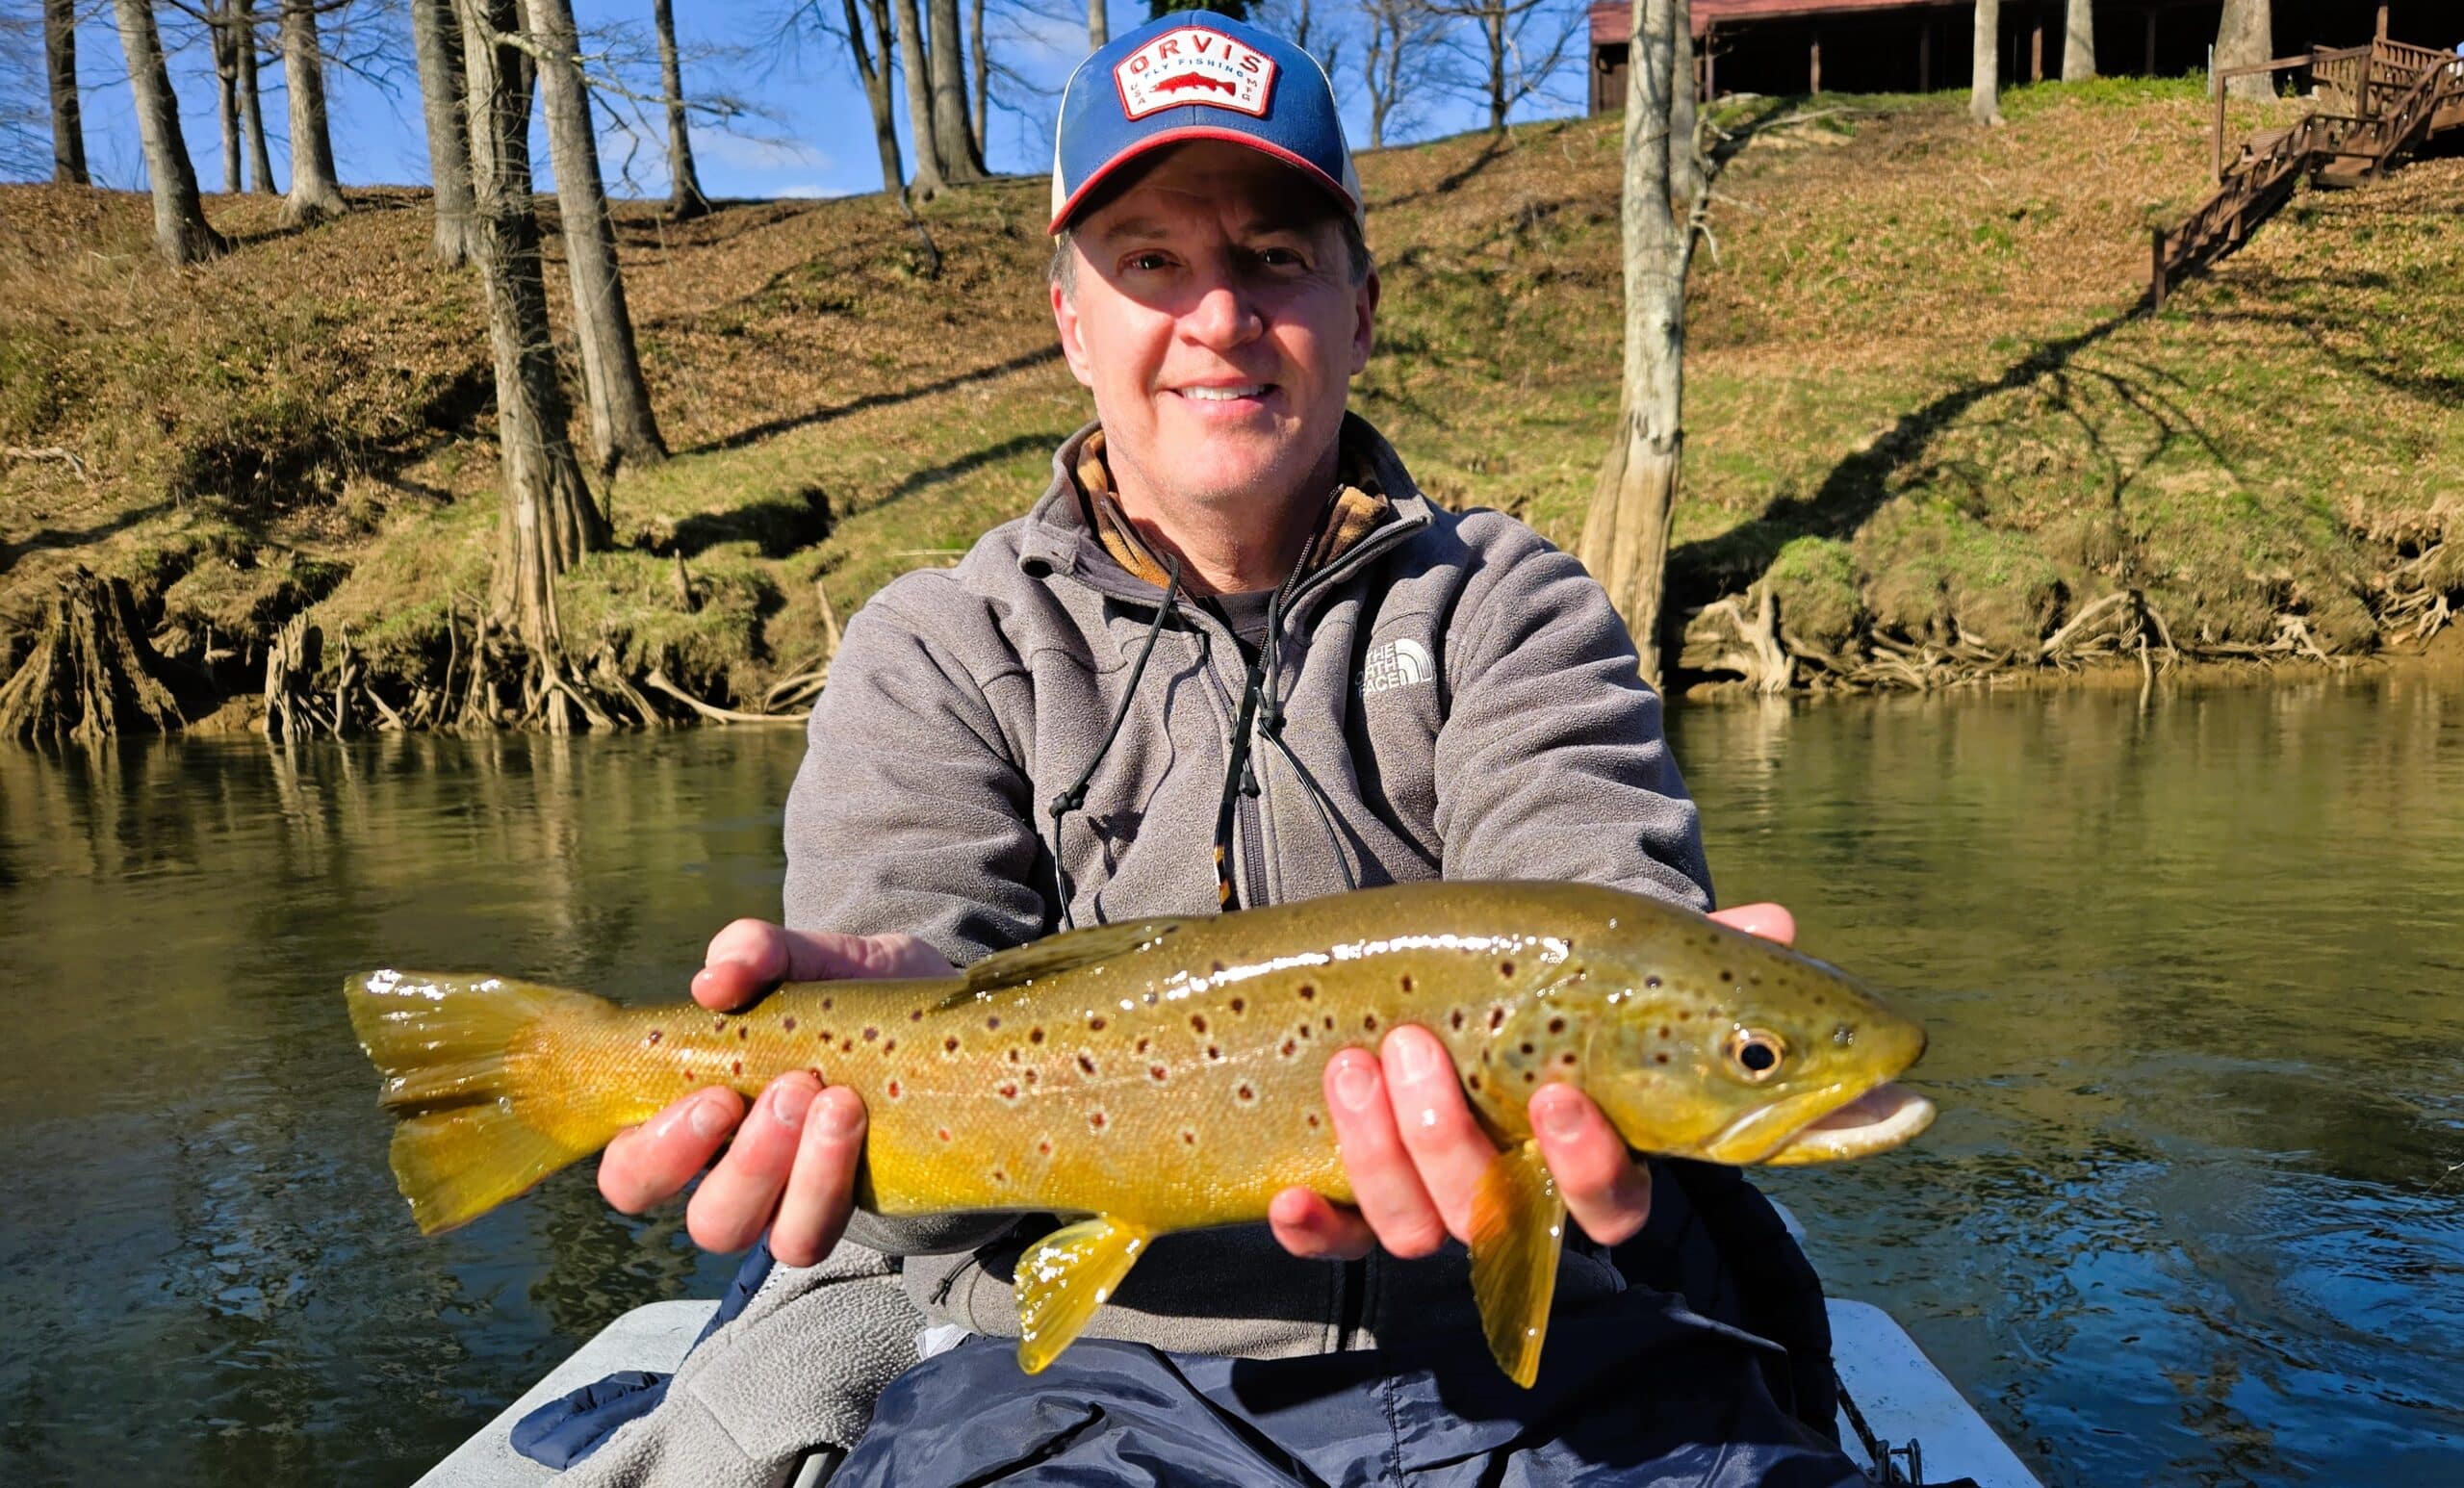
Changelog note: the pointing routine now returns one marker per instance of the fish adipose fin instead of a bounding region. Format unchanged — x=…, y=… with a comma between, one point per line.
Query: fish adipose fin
x=475, y=1132
x=1022, y=966
x=1518, y=1227
x=1067, y=1275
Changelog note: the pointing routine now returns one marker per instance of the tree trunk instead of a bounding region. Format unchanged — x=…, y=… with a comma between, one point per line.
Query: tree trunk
x=1099, y=24
x=1686, y=175
x=549, y=521
x=2079, y=41
x=982, y=66
x=1493, y=27
x=1984, y=66
x=622, y=426
x=252, y=118
x=315, y=194
x=960, y=161
x=684, y=198
x=919, y=100
x=180, y=229
x=2244, y=35
x=222, y=31
x=436, y=36
x=60, y=56
x=1625, y=535
x=874, y=68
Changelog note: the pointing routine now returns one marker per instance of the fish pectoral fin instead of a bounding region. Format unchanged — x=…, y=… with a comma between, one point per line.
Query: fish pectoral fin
x=1067, y=1275
x=1518, y=1227
x=1053, y=955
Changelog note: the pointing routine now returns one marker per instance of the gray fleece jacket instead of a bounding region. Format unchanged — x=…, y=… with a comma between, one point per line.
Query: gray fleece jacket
x=1458, y=700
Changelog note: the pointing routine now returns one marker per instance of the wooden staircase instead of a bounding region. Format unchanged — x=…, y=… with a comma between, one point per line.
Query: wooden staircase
x=2376, y=103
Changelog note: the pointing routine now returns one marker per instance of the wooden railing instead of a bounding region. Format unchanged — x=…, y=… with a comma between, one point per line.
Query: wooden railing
x=2382, y=100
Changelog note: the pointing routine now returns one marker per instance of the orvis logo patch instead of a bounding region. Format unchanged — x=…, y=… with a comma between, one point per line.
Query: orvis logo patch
x=1194, y=64
x=1395, y=665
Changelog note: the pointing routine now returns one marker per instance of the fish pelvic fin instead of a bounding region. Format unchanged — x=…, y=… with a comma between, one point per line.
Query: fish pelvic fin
x=1067, y=1275
x=478, y=1124
x=1518, y=1227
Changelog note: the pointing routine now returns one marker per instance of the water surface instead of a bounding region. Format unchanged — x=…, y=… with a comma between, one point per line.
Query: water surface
x=2194, y=1213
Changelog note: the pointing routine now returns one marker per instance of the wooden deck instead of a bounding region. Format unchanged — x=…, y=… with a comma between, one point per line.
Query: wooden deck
x=2377, y=103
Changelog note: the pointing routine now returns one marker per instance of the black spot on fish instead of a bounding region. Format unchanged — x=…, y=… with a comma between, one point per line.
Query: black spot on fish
x=994, y=1021
x=998, y=1177
x=1035, y=1036
x=1197, y=1022
x=1369, y=1023
x=788, y=1024
x=1086, y=1064
x=744, y=1030
x=1456, y=1021
x=1659, y=1059
x=1142, y=1043
x=1728, y=976
x=1526, y=1048
x=1313, y=1121
x=1246, y=1091
x=1652, y=983
x=916, y=1014
x=950, y=1044
x=1684, y=1014
x=1663, y=1030
x=656, y=1036
x=871, y=1033
x=1308, y=991
x=1474, y=1080
x=718, y=1025
x=1406, y=983
x=1496, y=1018
x=1096, y=1024
x=1014, y=1056
x=1289, y=1047
x=1330, y=1023
x=1556, y=1025
x=890, y=1046
x=1217, y=969
x=1528, y=1078
x=1212, y=1052
x=1567, y=1058
x=1505, y=968
x=828, y=1003
x=1240, y=1005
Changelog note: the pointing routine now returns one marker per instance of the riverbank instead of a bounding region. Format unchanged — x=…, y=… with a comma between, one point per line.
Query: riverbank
x=1931, y=441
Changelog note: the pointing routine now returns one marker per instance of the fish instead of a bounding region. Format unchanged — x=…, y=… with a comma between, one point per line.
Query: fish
x=1164, y=1075
x=1185, y=81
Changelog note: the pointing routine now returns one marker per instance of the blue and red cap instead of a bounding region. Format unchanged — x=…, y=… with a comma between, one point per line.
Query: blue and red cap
x=1196, y=75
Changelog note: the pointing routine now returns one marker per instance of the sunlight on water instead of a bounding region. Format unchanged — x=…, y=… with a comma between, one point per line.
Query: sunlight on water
x=2193, y=1212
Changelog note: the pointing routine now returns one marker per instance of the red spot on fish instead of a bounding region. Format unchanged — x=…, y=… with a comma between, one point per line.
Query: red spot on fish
x=790, y=1024
x=1247, y=1091
x=1044, y=1147
x=1313, y=1121
x=890, y=1046
x=915, y=1016
x=1097, y=1121
x=1008, y=1090
x=998, y=1177
x=1289, y=1049
x=1142, y=1043
x=718, y=1025
x=1189, y=1139
x=871, y=1033
x=943, y=1133
x=894, y=1089
x=655, y=1036
x=1156, y=1073
x=1086, y=1064
x=993, y=1023
x=737, y=1068
x=1496, y=1018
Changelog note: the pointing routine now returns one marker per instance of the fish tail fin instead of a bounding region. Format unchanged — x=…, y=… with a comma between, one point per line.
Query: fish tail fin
x=461, y=1058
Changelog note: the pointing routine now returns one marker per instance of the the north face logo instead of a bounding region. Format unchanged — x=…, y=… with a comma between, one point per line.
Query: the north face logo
x=1192, y=64
x=1395, y=665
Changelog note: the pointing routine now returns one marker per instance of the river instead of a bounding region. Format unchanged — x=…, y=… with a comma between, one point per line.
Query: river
x=2194, y=973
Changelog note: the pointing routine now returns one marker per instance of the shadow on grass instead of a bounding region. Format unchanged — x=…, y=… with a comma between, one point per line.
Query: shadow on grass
x=1041, y=443
x=55, y=537
x=781, y=525
x=771, y=428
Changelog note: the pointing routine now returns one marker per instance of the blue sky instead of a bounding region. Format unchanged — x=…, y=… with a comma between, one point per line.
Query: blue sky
x=810, y=135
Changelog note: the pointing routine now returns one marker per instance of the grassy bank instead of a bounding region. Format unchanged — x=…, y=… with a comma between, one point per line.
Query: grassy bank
x=1919, y=404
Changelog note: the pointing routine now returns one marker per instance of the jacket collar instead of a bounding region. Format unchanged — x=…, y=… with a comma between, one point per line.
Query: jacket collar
x=1075, y=530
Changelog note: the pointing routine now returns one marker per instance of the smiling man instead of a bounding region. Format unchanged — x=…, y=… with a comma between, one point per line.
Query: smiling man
x=1232, y=658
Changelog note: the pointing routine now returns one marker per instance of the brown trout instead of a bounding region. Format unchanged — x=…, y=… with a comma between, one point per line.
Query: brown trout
x=1165, y=1074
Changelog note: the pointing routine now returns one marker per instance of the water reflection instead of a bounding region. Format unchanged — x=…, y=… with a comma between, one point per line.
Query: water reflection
x=2195, y=1210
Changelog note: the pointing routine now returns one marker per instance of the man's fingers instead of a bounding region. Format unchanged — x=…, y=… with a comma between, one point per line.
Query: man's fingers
x=1608, y=1193
x=1770, y=921
x=1448, y=1149
x=743, y=961
x=735, y=1203
x=1384, y=1183
x=821, y=1186
x=1308, y=1226
x=749, y=957
x=651, y=1161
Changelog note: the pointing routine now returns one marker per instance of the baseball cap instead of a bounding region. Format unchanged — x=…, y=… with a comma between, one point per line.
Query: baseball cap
x=1196, y=75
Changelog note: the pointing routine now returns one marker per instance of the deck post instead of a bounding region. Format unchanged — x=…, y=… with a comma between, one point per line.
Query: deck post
x=2215, y=85
x=2382, y=20
x=1711, y=65
x=2149, y=70
x=2156, y=279
x=2035, y=45
x=1925, y=54
x=1813, y=65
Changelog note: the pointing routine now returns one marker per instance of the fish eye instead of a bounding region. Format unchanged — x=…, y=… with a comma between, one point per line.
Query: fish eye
x=1757, y=1053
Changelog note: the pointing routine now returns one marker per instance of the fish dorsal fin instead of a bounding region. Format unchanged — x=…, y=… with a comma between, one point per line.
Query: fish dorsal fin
x=1518, y=1226
x=1067, y=1275
x=1021, y=966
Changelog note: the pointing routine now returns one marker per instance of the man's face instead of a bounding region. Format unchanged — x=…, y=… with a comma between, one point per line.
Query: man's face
x=1216, y=320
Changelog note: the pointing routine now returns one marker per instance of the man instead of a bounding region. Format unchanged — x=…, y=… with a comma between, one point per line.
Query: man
x=1234, y=658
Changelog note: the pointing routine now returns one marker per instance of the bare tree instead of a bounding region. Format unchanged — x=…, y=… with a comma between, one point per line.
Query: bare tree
x=684, y=198
x=549, y=521
x=180, y=229
x=981, y=102
x=1625, y=535
x=622, y=426
x=315, y=193
x=2079, y=41
x=961, y=161
x=1985, y=67
x=252, y=118
x=436, y=37
x=1517, y=44
x=873, y=67
x=224, y=37
x=1400, y=33
x=919, y=99
x=1099, y=24
x=59, y=55
x=2244, y=35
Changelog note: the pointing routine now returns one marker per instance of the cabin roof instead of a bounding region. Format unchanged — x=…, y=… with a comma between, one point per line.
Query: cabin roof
x=1610, y=19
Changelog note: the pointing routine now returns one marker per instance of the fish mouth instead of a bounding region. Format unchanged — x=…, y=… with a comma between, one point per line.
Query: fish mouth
x=1780, y=1136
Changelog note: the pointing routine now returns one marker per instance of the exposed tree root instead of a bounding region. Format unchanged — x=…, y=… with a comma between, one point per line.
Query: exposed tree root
x=659, y=679
x=90, y=673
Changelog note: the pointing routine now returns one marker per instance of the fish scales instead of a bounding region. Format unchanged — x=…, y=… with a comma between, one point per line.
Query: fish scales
x=1167, y=1075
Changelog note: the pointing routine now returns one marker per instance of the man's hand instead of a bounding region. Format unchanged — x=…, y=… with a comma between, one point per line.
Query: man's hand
x=792, y=1168
x=1415, y=1154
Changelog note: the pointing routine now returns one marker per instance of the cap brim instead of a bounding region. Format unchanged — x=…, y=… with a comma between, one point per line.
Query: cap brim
x=1183, y=135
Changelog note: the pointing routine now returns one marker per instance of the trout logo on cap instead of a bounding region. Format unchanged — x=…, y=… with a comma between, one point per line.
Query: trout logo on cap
x=1194, y=65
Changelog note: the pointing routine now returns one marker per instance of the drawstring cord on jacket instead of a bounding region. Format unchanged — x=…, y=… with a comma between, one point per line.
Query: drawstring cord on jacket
x=1076, y=797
